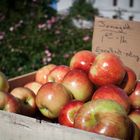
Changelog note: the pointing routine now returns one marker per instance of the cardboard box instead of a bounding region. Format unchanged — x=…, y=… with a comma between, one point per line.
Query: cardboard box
x=18, y=127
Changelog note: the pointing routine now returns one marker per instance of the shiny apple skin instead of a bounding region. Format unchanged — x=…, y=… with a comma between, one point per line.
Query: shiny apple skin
x=129, y=82
x=34, y=86
x=107, y=69
x=9, y=103
x=82, y=60
x=50, y=99
x=68, y=112
x=135, y=117
x=42, y=73
x=57, y=74
x=4, y=84
x=78, y=83
x=105, y=117
x=113, y=92
x=26, y=98
x=134, y=97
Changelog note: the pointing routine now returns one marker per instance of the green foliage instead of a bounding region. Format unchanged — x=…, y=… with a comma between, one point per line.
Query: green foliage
x=32, y=38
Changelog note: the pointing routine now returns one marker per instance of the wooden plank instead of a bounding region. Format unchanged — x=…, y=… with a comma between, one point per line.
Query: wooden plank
x=18, y=127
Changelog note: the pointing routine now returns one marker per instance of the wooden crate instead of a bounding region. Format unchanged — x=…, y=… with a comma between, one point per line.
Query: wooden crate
x=18, y=127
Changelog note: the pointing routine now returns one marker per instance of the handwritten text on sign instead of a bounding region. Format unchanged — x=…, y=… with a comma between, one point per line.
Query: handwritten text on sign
x=119, y=37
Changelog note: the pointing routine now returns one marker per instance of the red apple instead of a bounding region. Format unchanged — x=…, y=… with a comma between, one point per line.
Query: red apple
x=129, y=82
x=105, y=117
x=34, y=86
x=9, y=103
x=68, y=112
x=82, y=60
x=135, y=117
x=112, y=92
x=27, y=100
x=107, y=69
x=57, y=74
x=135, y=97
x=51, y=97
x=4, y=84
x=42, y=73
x=78, y=83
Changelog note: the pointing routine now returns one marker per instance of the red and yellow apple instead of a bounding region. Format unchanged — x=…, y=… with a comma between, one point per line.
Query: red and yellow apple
x=82, y=60
x=57, y=74
x=68, y=112
x=107, y=68
x=42, y=73
x=9, y=103
x=51, y=98
x=112, y=92
x=4, y=84
x=129, y=82
x=26, y=98
x=78, y=83
x=34, y=86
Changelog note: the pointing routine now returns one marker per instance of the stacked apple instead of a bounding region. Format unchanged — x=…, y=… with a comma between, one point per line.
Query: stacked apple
x=95, y=93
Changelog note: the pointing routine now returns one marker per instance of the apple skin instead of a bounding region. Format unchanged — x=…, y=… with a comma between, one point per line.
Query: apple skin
x=107, y=69
x=82, y=60
x=4, y=84
x=34, y=86
x=135, y=117
x=105, y=117
x=51, y=97
x=129, y=82
x=57, y=74
x=113, y=92
x=26, y=98
x=134, y=97
x=68, y=112
x=78, y=83
x=42, y=73
x=9, y=103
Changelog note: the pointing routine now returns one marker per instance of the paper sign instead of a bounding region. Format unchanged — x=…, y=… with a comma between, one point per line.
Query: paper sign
x=119, y=37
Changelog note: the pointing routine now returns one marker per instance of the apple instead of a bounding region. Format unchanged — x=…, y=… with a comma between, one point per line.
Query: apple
x=57, y=74
x=68, y=112
x=107, y=68
x=78, y=83
x=135, y=117
x=34, y=86
x=9, y=103
x=42, y=73
x=134, y=97
x=51, y=97
x=105, y=117
x=129, y=82
x=112, y=92
x=82, y=60
x=26, y=98
x=4, y=84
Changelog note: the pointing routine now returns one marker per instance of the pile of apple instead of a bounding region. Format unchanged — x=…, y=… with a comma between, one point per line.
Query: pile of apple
x=95, y=93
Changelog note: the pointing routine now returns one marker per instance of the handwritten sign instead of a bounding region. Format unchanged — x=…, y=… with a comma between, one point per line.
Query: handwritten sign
x=119, y=37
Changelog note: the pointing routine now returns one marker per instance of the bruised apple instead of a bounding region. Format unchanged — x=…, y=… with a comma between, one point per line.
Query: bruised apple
x=26, y=98
x=112, y=92
x=42, y=73
x=51, y=98
x=105, y=117
x=57, y=74
x=107, y=69
x=4, y=85
x=9, y=103
x=68, y=112
x=78, y=83
x=82, y=60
